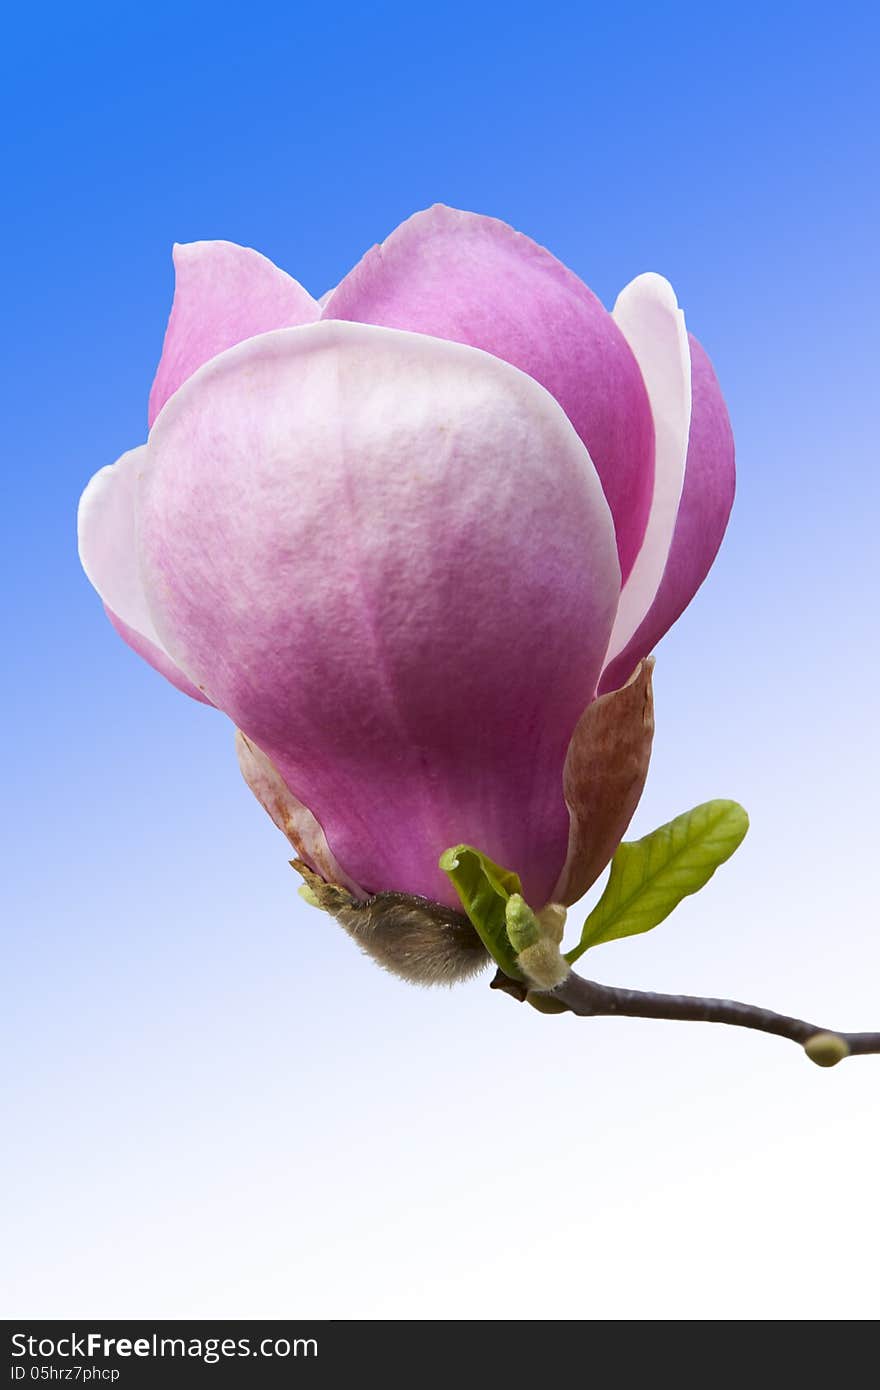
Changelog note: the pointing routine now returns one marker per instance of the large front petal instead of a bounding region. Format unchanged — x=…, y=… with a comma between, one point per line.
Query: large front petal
x=475, y=280
x=389, y=559
x=108, y=553
x=223, y=294
x=706, y=500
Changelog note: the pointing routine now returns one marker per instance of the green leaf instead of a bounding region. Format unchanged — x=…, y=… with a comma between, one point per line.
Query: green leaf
x=484, y=888
x=650, y=877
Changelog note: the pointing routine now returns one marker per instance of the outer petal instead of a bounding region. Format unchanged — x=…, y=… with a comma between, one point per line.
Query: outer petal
x=292, y=818
x=653, y=325
x=475, y=280
x=223, y=294
x=706, y=500
x=107, y=550
x=390, y=561
x=605, y=771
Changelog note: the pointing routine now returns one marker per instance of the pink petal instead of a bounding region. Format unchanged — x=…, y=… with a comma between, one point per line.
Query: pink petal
x=475, y=280
x=648, y=315
x=390, y=561
x=108, y=552
x=223, y=294
x=706, y=500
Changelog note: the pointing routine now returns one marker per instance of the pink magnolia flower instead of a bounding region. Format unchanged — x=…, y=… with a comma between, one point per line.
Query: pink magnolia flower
x=404, y=535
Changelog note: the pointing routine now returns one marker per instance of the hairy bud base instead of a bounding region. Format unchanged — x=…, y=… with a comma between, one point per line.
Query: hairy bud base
x=416, y=939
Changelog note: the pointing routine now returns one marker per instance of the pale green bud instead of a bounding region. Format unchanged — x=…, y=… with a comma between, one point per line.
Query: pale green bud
x=826, y=1049
x=523, y=928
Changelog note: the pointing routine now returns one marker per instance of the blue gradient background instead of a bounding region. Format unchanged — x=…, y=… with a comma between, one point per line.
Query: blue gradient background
x=214, y=1105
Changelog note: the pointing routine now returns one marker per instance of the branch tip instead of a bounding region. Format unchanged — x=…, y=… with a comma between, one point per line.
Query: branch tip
x=589, y=999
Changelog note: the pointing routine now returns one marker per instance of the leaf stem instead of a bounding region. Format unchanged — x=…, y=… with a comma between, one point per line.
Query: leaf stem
x=588, y=999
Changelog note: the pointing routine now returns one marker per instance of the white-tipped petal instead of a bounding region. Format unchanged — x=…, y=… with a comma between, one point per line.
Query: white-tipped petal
x=108, y=553
x=648, y=315
x=105, y=529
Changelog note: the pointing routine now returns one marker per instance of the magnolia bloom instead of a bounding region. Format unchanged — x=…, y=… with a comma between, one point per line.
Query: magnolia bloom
x=405, y=535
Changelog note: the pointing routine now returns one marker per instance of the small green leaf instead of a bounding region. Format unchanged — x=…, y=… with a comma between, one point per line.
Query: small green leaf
x=484, y=888
x=649, y=877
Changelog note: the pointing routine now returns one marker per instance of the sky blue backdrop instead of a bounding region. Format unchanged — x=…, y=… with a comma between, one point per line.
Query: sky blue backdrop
x=215, y=1104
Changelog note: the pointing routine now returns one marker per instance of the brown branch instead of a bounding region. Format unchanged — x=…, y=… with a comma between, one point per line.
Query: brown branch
x=587, y=999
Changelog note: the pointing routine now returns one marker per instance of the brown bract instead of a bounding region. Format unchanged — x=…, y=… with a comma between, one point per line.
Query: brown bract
x=292, y=818
x=419, y=940
x=605, y=772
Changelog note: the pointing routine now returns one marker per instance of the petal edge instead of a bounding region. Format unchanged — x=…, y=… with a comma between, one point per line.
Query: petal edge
x=223, y=294
x=703, y=512
x=648, y=315
x=475, y=280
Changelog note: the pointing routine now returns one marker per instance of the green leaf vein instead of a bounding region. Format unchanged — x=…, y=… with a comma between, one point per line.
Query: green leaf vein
x=649, y=877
